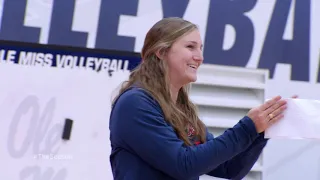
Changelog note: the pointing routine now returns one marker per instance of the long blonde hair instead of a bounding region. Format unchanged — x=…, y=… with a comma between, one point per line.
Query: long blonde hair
x=152, y=75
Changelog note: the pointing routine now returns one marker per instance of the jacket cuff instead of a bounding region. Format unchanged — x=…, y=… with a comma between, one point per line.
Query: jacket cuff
x=250, y=127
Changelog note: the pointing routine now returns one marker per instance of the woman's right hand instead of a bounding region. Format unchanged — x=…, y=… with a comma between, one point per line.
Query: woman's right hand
x=268, y=113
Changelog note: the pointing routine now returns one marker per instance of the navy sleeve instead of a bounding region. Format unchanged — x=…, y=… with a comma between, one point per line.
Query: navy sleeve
x=138, y=123
x=239, y=166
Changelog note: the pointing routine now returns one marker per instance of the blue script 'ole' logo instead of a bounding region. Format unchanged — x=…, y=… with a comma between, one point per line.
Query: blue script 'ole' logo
x=41, y=138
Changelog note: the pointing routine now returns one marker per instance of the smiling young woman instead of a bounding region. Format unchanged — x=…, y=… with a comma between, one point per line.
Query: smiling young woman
x=155, y=131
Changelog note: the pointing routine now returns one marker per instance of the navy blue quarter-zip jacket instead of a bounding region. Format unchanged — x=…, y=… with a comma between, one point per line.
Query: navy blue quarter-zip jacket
x=146, y=147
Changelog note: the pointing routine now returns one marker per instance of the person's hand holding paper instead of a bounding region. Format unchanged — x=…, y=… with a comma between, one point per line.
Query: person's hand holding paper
x=301, y=120
x=268, y=113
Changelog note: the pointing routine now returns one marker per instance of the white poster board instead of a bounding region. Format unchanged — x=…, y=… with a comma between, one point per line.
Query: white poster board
x=34, y=103
x=301, y=121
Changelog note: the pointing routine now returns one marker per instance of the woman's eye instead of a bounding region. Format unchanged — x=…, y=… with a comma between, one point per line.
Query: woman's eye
x=190, y=46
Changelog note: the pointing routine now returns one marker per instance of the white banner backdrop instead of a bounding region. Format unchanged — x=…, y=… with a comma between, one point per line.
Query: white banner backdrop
x=34, y=103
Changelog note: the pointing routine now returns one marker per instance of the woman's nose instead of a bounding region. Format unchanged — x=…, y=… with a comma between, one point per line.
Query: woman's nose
x=198, y=57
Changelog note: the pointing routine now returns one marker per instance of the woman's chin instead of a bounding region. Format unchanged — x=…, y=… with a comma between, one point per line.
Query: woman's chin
x=192, y=78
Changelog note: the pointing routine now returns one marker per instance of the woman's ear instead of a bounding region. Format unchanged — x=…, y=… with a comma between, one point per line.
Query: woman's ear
x=161, y=54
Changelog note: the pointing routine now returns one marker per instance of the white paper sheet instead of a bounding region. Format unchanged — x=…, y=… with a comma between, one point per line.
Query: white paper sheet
x=301, y=121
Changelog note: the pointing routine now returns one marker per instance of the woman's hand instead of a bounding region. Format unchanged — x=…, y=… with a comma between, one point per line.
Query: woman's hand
x=268, y=113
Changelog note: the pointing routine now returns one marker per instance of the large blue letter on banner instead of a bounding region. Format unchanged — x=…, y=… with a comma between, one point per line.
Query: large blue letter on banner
x=295, y=51
x=107, y=33
x=174, y=8
x=61, y=25
x=221, y=13
x=12, y=26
